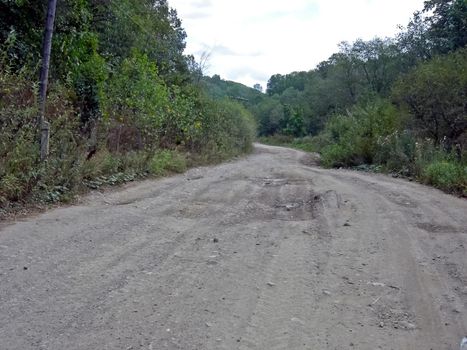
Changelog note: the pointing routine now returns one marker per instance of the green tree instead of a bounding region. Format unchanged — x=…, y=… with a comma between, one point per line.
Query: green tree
x=447, y=24
x=435, y=94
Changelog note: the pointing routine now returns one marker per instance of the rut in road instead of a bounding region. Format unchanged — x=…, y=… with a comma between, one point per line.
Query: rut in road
x=265, y=252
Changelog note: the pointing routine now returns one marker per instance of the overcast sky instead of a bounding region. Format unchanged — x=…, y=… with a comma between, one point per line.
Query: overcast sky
x=250, y=40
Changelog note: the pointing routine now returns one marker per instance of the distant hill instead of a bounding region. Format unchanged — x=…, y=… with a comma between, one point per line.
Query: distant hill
x=218, y=88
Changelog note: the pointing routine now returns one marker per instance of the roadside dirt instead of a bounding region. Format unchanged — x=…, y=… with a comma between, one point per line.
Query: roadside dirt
x=268, y=252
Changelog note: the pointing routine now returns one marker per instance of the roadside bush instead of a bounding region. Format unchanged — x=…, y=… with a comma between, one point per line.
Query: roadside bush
x=447, y=175
x=136, y=162
x=352, y=139
x=136, y=97
x=337, y=155
x=397, y=152
x=229, y=129
x=239, y=125
x=146, y=114
x=101, y=164
x=210, y=131
x=342, y=147
x=371, y=135
x=167, y=161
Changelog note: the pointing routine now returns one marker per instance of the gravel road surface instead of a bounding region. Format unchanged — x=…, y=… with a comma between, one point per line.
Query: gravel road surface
x=266, y=252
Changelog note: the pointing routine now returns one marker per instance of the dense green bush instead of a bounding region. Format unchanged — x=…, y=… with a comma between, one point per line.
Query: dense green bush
x=229, y=129
x=136, y=101
x=371, y=135
x=447, y=175
x=166, y=161
x=352, y=139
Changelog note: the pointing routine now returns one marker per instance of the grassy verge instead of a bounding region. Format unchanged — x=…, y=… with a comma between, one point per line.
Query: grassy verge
x=102, y=171
x=397, y=154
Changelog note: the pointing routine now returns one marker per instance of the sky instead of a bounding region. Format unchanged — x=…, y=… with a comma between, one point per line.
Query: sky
x=250, y=40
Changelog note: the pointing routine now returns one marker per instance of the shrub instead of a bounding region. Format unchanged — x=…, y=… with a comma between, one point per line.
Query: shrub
x=167, y=161
x=447, y=175
x=228, y=129
x=397, y=152
x=336, y=155
x=352, y=139
x=136, y=97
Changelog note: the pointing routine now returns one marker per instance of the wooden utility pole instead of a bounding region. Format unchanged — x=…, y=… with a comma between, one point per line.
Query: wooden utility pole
x=44, y=78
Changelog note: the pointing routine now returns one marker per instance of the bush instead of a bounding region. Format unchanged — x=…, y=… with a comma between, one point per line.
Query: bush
x=336, y=155
x=397, y=152
x=352, y=139
x=228, y=129
x=136, y=98
x=114, y=117
x=447, y=175
x=166, y=161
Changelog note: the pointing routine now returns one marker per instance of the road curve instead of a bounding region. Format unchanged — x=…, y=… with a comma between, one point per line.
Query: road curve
x=266, y=252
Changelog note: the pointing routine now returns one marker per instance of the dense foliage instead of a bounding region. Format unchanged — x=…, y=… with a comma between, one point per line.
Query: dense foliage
x=124, y=101
x=397, y=104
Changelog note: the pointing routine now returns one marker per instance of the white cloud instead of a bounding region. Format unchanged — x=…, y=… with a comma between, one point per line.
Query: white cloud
x=250, y=40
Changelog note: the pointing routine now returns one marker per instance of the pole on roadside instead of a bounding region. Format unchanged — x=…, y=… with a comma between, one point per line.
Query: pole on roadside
x=44, y=126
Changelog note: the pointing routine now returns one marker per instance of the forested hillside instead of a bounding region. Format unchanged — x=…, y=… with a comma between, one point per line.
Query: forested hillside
x=218, y=88
x=124, y=101
x=396, y=104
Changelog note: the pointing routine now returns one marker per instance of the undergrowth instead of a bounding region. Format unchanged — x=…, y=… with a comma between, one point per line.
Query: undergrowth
x=146, y=141
x=369, y=138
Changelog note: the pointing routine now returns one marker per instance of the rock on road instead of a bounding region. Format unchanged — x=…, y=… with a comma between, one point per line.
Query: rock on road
x=266, y=252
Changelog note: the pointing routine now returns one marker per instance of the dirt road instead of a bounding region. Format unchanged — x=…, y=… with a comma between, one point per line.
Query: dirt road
x=267, y=252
